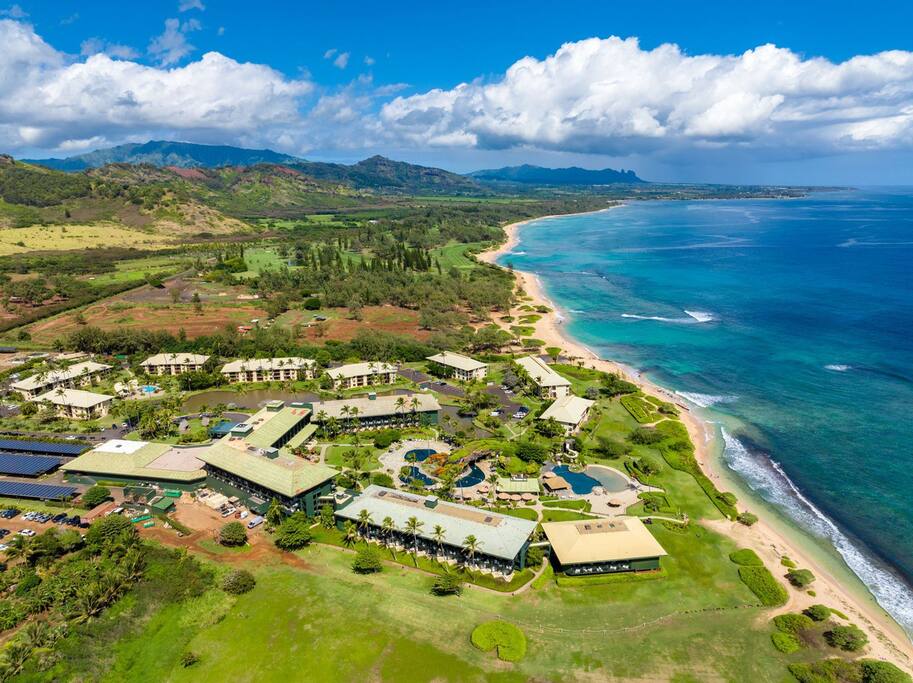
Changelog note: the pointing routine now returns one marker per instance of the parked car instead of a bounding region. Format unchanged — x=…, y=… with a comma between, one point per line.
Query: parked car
x=4, y=533
x=58, y=518
x=228, y=512
x=26, y=532
x=255, y=522
x=3, y=546
x=243, y=515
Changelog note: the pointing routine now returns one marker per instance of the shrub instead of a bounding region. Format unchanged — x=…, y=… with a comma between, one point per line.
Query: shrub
x=448, y=583
x=530, y=451
x=507, y=638
x=384, y=438
x=109, y=530
x=746, y=557
x=189, y=659
x=534, y=556
x=610, y=448
x=294, y=533
x=747, y=518
x=729, y=498
x=645, y=436
x=788, y=563
x=848, y=638
x=366, y=561
x=818, y=612
x=311, y=304
x=95, y=496
x=800, y=578
x=238, y=582
x=233, y=534
x=877, y=671
x=793, y=623
x=382, y=479
x=763, y=584
x=785, y=642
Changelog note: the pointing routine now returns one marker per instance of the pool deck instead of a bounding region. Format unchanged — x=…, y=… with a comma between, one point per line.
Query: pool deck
x=395, y=458
x=599, y=502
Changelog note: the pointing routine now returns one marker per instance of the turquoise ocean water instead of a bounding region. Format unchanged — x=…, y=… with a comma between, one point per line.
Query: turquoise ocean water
x=790, y=322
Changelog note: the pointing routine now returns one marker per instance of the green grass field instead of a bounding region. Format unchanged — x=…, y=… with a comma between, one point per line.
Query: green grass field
x=135, y=270
x=454, y=256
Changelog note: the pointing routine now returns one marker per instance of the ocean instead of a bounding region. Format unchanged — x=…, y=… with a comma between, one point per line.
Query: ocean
x=787, y=322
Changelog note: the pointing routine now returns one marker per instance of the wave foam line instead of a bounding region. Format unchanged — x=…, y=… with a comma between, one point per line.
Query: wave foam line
x=705, y=400
x=694, y=317
x=771, y=482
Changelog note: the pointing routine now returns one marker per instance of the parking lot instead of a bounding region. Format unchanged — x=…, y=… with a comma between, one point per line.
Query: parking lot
x=25, y=523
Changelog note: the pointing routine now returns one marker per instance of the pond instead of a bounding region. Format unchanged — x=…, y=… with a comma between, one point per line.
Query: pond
x=251, y=400
x=475, y=476
x=583, y=483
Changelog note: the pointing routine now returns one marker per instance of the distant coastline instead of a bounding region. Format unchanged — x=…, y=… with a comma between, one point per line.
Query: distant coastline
x=771, y=539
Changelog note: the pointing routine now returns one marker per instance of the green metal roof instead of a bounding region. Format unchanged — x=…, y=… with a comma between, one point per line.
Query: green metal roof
x=287, y=476
x=133, y=464
x=507, y=485
x=163, y=504
x=301, y=437
x=275, y=424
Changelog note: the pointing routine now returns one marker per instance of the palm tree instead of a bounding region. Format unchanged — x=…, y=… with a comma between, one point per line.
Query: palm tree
x=18, y=547
x=413, y=526
x=388, y=526
x=275, y=513
x=438, y=535
x=364, y=521
x=400, y=407
x=349, y=533
x=353, y=412
x=414, y=405
x=471, y=545
x=493, y=482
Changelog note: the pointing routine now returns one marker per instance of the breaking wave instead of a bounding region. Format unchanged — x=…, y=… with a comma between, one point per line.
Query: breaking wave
x=838, y=367
x=705, y=400
x=766, y=477
x=693, y=317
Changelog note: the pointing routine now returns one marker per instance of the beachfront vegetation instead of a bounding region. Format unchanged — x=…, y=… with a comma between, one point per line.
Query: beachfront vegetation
x=746, y=557
x=846, y=637
x=763, y=584
x=818, y=612
x=786, y=643
x=501, y=636
x=800, y=578
x=841, y=670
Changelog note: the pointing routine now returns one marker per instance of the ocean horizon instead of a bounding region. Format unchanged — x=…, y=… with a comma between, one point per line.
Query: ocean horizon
x=789, y=324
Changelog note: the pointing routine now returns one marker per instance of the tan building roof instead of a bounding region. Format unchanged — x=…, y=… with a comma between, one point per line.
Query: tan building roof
x=376, y=407
x=556, y=483
x=42, y=379
x=457, y=360
x=139, y=460
x=360, y=370
x=73, y=397
x=176, y=359
x=568, y=410
x=601, y=540
x=541, y=373
x=267, y=364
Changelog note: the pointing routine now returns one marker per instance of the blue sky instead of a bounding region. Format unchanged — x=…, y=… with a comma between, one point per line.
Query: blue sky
x=341, y=81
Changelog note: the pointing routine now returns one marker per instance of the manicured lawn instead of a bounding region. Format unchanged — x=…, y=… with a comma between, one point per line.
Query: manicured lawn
x=563, y=516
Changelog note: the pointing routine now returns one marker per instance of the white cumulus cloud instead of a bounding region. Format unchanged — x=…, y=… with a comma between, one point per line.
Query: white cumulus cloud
x=172, y=45
x=610, y=96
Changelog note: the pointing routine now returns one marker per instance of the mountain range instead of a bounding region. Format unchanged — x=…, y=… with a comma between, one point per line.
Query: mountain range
x=537, y=175
x=377, y=173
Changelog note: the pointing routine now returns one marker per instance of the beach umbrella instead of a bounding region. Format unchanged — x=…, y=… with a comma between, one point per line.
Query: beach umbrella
x=615, y=503
x=503, y=496
x=527, y=496
x=516, y=498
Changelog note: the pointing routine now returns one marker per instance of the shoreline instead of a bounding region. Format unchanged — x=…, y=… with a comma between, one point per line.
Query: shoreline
x=770, y=539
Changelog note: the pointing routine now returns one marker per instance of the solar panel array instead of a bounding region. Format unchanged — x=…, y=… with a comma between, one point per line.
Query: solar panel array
x=18, y=489
x=42, y=447
x=28, y=465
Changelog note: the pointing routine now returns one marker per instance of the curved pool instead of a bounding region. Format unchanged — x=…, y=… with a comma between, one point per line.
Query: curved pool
x=416, y=473
x=475, y=476
x=418, y=454
x=583, y=483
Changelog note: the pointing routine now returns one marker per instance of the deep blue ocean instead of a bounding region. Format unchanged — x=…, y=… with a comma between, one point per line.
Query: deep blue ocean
x=791, y=321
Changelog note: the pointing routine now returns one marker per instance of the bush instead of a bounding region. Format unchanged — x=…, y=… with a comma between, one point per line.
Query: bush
x=747, y=518
x=311, y=304
x=189, y=659
x=448, y=583
x=294, y=533
x=763, y=584
x=818, y=612
x=788, y=563
x=384, y=438
x=238, y=582
x=530, y=451
x=746, y=557
x=366, y=561
x=109, y=530
x=507, y=638
x=645, y=436
x=382, y=479
x=793, y=623
x=785, y=642
x=800, y=578
x=534, y=556
x=95, y=496
x=610, y=448
x=233, y=534
x=848, y=638
x=876, y=671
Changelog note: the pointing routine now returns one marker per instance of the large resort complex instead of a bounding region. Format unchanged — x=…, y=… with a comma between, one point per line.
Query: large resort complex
x=268, y=370
x=174, y=363
x=71, y=377
x=361, y=375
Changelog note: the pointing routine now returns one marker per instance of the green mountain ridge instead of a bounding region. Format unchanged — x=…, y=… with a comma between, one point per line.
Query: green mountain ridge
x=539, y=175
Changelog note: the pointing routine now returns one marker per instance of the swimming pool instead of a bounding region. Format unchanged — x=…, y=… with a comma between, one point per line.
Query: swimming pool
x=416, y=473
x=149, y=389
x=419, y=454
x=475, y=476
x=583, y=483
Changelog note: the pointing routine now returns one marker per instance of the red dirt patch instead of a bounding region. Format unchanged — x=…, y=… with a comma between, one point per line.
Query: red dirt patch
x=340, y=327
x=189, y=173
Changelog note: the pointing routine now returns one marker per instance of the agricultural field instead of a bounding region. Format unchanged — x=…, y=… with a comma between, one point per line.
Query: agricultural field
x=63, y=237
x=339, y=326
x=135, y=270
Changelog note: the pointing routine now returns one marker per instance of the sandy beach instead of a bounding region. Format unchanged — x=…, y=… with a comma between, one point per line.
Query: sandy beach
x=886, y=638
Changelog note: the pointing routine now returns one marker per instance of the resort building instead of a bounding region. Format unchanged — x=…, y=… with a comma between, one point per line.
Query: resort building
x=75, y=404
x=174, y=363
x=460, y=367
x=376, y=412
x=550, y=383
x=74, y=376
x=554, y=483
x=139, y=461
x=357, y=375
x=269, y=370
x=501, y=540
x=603, y=546
x=568, y=411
